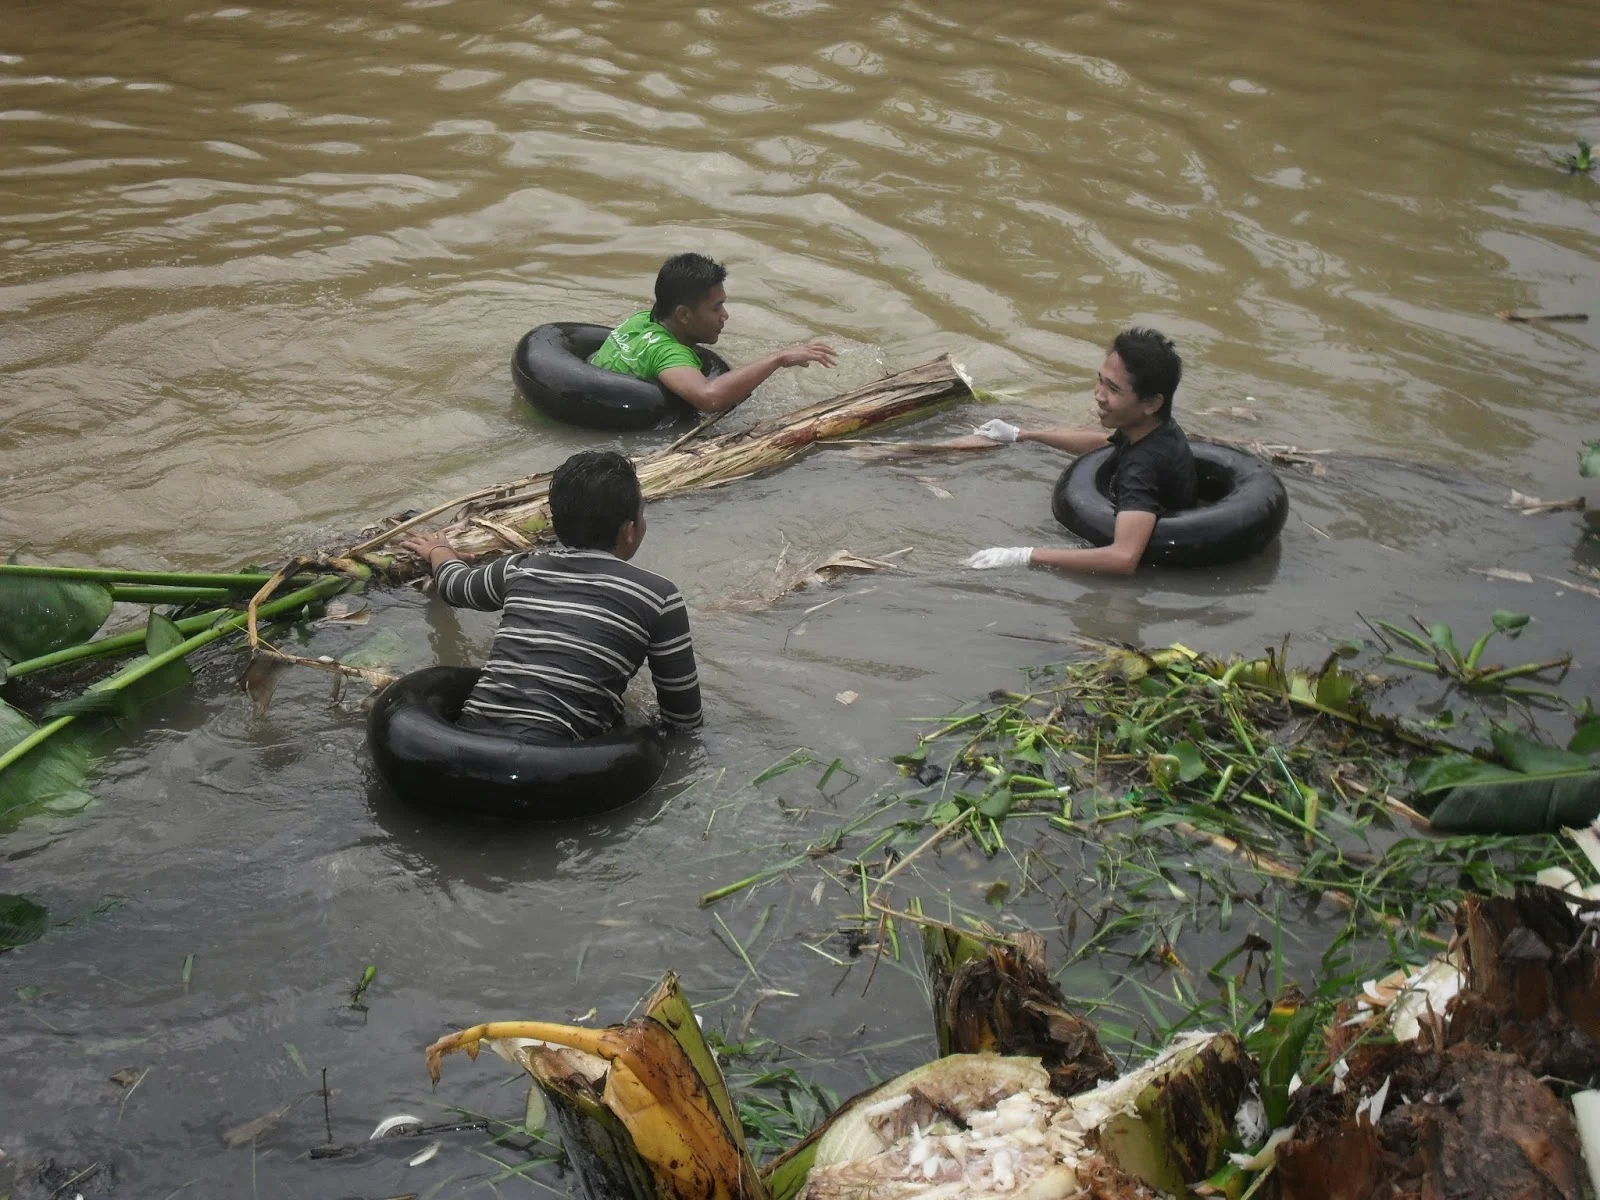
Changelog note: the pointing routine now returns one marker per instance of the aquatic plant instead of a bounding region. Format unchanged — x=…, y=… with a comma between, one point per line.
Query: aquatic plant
x=1580, y=163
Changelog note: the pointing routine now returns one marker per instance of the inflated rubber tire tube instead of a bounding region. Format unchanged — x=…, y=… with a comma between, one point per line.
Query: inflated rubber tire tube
x=1243, y=507
x=427, y=759
x=552, y=371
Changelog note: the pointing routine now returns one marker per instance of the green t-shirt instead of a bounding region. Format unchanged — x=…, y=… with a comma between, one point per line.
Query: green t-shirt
x=642, y=347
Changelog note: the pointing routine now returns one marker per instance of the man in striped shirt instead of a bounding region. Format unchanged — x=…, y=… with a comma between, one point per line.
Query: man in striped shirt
x=579, y=619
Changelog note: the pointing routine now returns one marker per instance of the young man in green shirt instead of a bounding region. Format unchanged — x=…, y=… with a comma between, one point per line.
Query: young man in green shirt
x=690, y=310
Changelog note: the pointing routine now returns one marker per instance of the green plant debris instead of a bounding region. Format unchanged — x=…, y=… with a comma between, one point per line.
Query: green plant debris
x=21, y=921
x=1580, y=163
x=1533, y=788
x=186, y=973
x=358, y=992
x=1467, y=671
x=38, y=615
x=1589, y=459
x=1197, y=826
x=50, y=779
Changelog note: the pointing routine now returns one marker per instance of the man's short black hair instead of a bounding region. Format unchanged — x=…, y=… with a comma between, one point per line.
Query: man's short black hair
x=1152, y=362
x=685, y=279
x=592, y=495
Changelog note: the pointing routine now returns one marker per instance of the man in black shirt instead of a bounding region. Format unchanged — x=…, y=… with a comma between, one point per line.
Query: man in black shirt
x=1153, y=468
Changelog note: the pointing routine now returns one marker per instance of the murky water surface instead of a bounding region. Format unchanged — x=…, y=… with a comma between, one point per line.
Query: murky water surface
x=263, y=269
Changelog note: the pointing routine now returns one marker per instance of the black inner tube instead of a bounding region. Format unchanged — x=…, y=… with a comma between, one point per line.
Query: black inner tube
x=552, y=372
x=427, y=758
x=1242, y=508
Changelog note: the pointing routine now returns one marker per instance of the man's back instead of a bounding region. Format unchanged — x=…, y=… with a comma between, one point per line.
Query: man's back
x=577, y=625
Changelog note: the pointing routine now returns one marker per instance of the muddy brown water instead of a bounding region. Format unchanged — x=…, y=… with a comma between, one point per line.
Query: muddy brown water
x=263, y=269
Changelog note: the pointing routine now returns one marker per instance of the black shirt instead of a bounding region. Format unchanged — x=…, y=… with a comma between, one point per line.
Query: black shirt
x=1155, y=474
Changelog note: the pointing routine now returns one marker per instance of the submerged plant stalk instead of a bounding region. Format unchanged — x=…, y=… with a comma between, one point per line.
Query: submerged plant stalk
x=237, y=581
x=116, y=644
x=148, y=593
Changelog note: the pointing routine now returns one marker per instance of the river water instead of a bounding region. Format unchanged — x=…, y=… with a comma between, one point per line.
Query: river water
x=263, y=269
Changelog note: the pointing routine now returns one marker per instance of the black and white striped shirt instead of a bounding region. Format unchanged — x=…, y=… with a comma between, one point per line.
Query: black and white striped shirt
x=577, y=625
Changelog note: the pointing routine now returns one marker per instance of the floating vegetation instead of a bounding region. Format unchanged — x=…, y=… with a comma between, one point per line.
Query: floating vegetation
x=50, y=616
x=1147, y=799
x=1580, y=163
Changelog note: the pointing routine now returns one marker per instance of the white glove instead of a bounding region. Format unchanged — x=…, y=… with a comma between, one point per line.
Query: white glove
x=998, y=430
x=1001, y=556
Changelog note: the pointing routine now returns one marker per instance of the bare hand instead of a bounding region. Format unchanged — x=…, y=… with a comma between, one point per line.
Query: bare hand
x=424, y=545
x=807, y=353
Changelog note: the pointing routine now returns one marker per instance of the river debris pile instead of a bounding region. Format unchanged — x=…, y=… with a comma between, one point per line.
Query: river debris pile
x=1469, y=1102
x=1106, y=765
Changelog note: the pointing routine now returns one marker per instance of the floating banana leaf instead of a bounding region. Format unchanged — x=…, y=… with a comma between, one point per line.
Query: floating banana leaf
x=38, y=616
x=1540, y=789
x=50, y=778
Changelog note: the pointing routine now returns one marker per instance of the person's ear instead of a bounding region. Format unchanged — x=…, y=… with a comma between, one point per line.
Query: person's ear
x=1153, y=404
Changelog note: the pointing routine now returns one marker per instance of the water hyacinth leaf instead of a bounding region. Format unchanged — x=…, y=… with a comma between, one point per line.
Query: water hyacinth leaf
x=49, y=777
x=21, y=921
x=1509, y=623
x=996, y=804
x=1444, y=641
x=1190, y=765
x=1586, y=737
x=38, y=616
x=1163, y=769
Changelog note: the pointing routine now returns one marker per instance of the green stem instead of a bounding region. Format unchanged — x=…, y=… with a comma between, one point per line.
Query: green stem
x=246, y=579
x=145, y=593
x=116, y=644
x=323, y=587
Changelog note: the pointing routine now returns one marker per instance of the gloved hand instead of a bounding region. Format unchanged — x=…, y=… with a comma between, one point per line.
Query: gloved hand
x=998, y=430
x=1001, y=556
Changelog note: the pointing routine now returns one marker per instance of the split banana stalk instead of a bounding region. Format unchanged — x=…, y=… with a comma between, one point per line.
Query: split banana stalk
x=646, y=1094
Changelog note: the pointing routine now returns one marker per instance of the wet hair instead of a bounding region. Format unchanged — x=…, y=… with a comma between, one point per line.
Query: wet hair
x=592, y=495
x=685, y=279
x=1152, y=362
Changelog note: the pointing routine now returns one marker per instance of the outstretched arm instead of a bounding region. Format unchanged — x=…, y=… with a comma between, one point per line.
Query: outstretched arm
x=1072, y=439
x=482, y=587
x=723, y=392
x=1133, y=531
